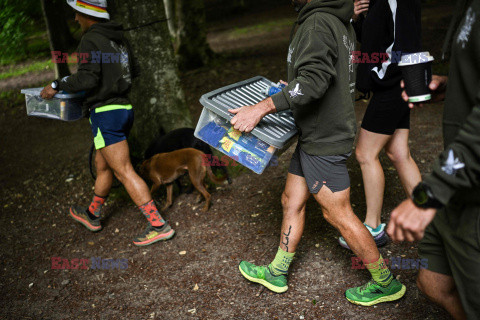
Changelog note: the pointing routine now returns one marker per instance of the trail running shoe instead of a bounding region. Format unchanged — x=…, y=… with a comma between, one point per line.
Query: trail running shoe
x=378, y=234
x=152, y=234
x=372, y=293
x=80, y=214
x=262, y=275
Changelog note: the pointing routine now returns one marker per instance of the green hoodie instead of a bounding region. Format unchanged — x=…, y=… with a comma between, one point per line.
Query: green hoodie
x=456, y=173
x=321, y=78
x=106, y=75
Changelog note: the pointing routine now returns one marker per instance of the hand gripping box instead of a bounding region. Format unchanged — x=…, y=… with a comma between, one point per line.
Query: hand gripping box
x=254, y=150
x=63, y=106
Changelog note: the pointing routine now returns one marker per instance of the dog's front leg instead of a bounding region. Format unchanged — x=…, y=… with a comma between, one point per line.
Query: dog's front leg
x=169, y=202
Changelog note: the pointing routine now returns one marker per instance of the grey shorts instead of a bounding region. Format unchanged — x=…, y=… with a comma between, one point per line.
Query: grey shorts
x=321, y=170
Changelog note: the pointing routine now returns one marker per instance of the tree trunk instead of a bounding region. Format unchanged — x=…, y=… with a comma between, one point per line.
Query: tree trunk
x=58, y=32
x=190, y=42
x=157, y=95
x=170, y=14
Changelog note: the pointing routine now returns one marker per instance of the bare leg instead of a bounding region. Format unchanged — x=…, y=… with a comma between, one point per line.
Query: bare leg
x=104, y=180
x=118, y=158
x=441, y=289
x=368, y=148
x=294, y=199
x=337, y=210
x=399, y=153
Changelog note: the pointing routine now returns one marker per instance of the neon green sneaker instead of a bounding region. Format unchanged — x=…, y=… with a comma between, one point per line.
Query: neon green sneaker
x=262, y=275
x=372, y=293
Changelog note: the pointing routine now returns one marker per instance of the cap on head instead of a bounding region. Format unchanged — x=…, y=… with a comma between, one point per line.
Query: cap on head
x=93, y=8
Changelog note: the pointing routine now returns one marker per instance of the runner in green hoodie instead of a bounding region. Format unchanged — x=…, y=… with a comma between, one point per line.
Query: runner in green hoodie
x=444, y=211
x=105, y=74
x=320, y=93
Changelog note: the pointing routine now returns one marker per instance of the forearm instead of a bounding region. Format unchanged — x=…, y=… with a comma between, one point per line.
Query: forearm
x=458, y=167
x=80, y=81
x=267, y=106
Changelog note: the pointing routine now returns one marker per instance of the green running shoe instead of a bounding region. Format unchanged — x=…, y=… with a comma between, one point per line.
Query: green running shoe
x=262, y=275
x=372, y=293
x=80, y=214
x=153, y=234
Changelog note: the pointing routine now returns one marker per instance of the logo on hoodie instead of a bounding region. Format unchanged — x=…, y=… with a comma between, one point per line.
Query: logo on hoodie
x=290, y=52
x=350, y=47
x=296, y=91
x=464, y=34
x=124, y=62
x=452, y=164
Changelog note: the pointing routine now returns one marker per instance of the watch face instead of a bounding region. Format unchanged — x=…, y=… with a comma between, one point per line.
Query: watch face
x=420, y=196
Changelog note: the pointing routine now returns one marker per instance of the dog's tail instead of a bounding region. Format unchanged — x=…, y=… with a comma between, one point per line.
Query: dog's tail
x=214, y=178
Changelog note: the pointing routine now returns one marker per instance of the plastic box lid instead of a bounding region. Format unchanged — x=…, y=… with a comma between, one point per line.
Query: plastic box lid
x=274, y=129
x=36, y=92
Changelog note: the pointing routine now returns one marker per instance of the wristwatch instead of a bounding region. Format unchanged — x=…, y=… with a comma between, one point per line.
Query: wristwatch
x=55, y=85
x=423, y=197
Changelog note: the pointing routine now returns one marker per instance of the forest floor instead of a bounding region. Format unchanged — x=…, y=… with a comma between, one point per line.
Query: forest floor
x=43, y=170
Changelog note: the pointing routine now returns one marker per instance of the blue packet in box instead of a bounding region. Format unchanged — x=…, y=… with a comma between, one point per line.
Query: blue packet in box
x=250, y=143
x=246, y=149
x=212, y=133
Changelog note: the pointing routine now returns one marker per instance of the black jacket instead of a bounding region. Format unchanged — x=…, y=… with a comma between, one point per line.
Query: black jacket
x=106, y=75
x=391, y=26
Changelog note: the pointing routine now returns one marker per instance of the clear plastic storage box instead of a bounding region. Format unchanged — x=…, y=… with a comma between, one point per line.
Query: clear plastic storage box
x=64, y=106
x=253, y=150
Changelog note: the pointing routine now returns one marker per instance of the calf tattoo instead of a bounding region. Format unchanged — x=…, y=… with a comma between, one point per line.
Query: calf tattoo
x=286, y=240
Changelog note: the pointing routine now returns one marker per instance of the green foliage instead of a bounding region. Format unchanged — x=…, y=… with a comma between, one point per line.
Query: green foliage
x=263, y=27
x=34, y=67
x=11, y=99
x=17, y=18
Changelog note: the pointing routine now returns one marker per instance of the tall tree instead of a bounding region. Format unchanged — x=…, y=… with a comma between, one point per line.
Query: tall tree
x=156, y=94
x=58, y=32
x=170, y=15
x=190, y=42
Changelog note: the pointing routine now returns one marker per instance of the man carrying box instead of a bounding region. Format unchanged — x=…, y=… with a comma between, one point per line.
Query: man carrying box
x=106, y=78
x=320, y=94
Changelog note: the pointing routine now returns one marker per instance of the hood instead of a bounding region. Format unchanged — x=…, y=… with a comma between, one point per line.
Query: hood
x=342, y=9
x=110, y=30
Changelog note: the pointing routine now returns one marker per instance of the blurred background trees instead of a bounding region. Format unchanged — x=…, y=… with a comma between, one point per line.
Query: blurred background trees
x=59, y=35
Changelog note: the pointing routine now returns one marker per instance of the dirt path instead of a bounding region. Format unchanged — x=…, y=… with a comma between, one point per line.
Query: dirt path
x=43, y=170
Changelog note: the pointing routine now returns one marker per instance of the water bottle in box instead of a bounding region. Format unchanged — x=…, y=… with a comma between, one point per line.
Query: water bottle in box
x=63, y=106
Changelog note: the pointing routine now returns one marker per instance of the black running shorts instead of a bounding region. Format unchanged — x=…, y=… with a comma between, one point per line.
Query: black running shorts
x=387, y=112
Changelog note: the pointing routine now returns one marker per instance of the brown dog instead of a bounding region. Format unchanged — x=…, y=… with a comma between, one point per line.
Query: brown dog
x=164, y=168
